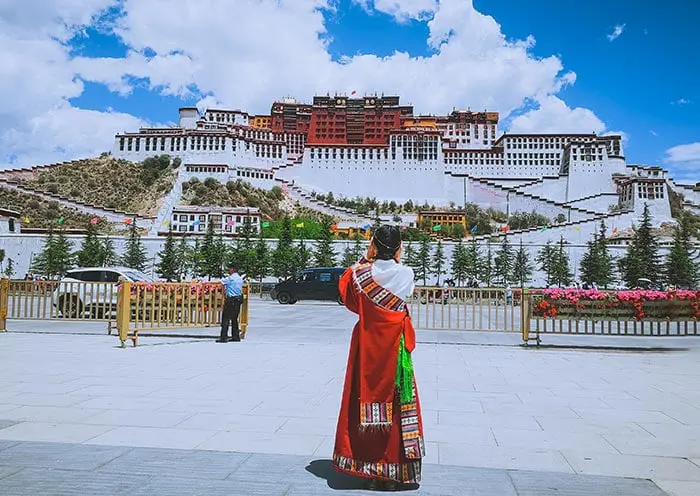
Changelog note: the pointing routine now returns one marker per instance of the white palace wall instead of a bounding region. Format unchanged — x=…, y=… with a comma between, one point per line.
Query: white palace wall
x=550, y=188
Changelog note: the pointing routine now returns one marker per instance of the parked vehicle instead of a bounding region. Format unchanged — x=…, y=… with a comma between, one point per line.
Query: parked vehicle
x=309, y=284
x=73, y=298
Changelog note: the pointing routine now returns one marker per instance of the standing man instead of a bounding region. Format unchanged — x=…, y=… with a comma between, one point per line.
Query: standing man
x=233, y=285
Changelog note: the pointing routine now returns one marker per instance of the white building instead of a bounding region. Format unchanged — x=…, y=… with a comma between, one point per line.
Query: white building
x=191, y=219
x=457, y=159
x=9, y=222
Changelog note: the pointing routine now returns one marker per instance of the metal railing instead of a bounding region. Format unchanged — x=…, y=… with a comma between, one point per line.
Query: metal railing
x=168, y=306
x=49, y=300
x=593, y=318
x=466, y=309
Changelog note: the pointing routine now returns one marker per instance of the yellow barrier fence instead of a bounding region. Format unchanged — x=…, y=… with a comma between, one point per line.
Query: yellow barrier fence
x=610, y=313
x=168, y=306
x=466, y=309
x=4, y=291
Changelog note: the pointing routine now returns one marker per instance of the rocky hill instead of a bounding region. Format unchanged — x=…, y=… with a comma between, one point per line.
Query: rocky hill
x=40, y=212
x=110, y=183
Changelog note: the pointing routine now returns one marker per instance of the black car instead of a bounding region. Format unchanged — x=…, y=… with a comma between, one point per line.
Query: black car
x=310, y=284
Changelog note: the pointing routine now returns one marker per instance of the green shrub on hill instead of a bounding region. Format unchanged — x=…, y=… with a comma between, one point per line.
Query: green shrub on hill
x=42, y=213
x=211, y=192
x=111, y=183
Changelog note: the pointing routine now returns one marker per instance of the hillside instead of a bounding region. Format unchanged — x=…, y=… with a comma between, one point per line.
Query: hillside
x=211, y=192
x=42, y=213
x=110, y=183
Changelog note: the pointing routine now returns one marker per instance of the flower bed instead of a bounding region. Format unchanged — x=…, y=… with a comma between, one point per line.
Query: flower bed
x=191, y=294
x=616, y=305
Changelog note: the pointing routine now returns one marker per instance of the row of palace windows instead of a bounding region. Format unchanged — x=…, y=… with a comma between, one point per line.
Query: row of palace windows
x=268, y=151
x=207, y=169
x=254, y=174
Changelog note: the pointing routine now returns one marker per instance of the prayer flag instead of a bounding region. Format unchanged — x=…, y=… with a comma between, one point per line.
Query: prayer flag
x=437, y=228
x=505, y=228
x=26, y=220
x=165, y=223
x=300, y=224
x=353, y=92
x=94, y=220
x=614, y=230
x=128, y=222
x=473, y=229
x=544, y=228
x=266, y=224
x=366, y=226
x=230, y=223
x=60, y=220
x=577, y=228
x=196, y=223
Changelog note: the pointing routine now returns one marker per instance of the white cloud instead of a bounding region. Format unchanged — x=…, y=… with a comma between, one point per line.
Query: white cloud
x=616, y=32
x=681, y=101
x=653, y=133
x=401, y=10
x=685, y=161
x=245, y=54
x=554, y=115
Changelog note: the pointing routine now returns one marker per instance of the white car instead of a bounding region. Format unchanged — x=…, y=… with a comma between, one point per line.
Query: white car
x=92, y=290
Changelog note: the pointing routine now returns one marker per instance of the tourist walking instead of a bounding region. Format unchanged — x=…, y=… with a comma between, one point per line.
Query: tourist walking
x=380, y=430
x=233, y=286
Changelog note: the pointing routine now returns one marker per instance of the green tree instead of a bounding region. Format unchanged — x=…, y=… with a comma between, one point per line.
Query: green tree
x=410, y=258
x=503, y=263
x=302, y=256
x=486, y=267
x=545, y=258
x=596, y=264
x=284, y=257
x=167, y=265
x=10, y=268
x=472, y=262
x=354, y=252
x=195, y=259
x=134, y=251
x=458, y=231
x=108, y=255
x=183, y=259
x=561, y=268
x=90, y=253
x=245, y=249
x=324, y=255
x=262, y=259
x=2, y=256
x=680, y=268
x=522, y=268
x=209, y=254
x=438, y=261
x=641, y=259
x=459, y=268
x=423, y=266
x=56, y=258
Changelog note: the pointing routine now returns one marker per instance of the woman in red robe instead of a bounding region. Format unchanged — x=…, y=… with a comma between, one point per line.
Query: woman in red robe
x=380, y=431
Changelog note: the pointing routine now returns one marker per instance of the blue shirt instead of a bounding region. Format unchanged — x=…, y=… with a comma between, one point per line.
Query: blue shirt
x=233, y=284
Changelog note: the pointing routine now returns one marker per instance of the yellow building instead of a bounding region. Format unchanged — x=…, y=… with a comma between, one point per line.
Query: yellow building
x=261, y=121
x=347, y=230
x=443, y=218
x=420, y=122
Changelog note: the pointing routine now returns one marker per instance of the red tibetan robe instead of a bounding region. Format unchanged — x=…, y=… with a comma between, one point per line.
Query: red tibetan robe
x=377, y=436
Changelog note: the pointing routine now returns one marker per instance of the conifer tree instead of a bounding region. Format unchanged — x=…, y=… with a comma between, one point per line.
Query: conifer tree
x=423, y=265
x=220, y=257
x=245, y=249
x=459, y=269
x=284, y=257
x=134, y=251
x=353, y=252
x=438, y=261
x=681, y=271
x=561, y=269
x=209, y=253
x=641, y=259
x=195, y=258
x=183, y=259
x=596, y=264
x=410, y=258
x=503, y=263
x=303, y=256
x=167, y=265
x=472, y=262
x=522, y=268
x=42, y=261
x=108, y=255
x=545, y=261
x=90, y=253
x=324, y=255
x=10, y=268
x=485, y=265
x=261, y=267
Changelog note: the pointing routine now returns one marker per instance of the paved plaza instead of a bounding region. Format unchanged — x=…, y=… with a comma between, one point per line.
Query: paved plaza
x=176, y=415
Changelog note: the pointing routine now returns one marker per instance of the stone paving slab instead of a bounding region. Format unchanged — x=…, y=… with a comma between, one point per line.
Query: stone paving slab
x=59, y=469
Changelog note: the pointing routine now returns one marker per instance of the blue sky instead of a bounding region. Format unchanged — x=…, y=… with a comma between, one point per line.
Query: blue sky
x=644, y=82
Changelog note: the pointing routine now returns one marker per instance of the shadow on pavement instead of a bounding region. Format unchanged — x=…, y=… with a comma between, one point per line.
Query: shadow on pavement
x=323, y=469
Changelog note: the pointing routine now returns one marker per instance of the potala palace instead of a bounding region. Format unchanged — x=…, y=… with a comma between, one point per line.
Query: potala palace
x=374, y=146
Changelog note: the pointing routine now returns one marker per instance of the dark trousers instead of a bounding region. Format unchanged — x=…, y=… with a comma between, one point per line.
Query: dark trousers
x=229, y=316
